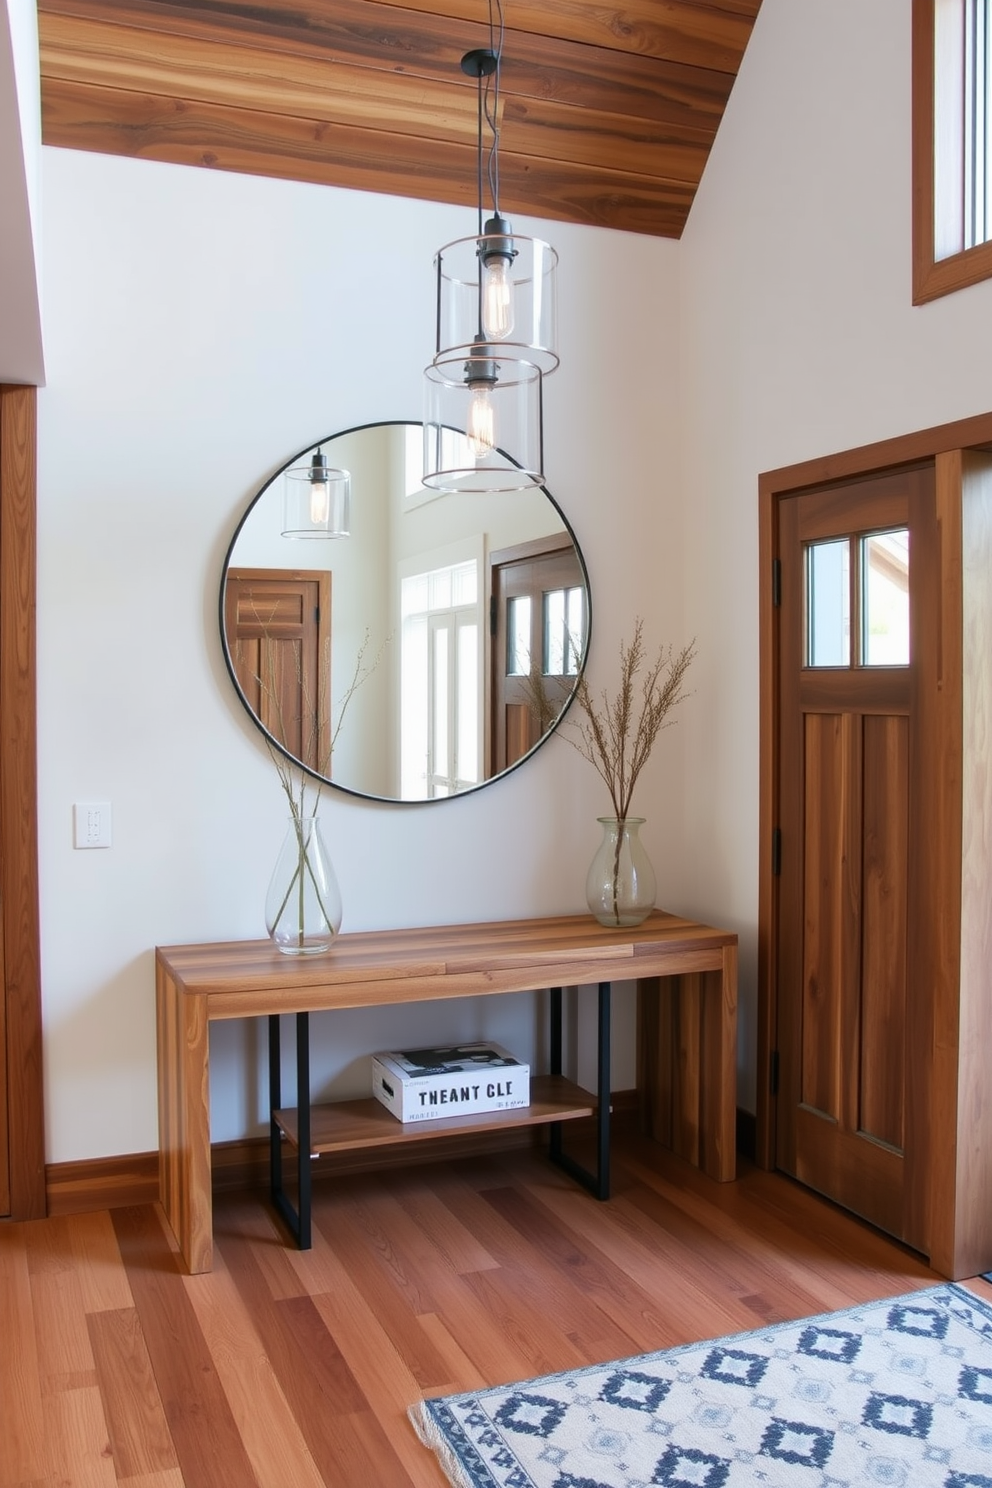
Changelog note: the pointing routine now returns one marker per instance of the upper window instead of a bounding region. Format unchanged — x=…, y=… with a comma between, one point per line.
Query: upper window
x=952, y=71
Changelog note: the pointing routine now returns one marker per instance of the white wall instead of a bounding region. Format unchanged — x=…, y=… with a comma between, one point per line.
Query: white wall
x=200, y=328
x=798, y=338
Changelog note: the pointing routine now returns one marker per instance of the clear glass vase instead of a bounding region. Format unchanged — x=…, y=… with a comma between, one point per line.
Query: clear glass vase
x=303, y=904
x=621, y=886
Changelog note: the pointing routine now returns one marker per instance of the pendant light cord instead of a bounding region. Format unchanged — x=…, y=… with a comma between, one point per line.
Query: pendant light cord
x=497, y=30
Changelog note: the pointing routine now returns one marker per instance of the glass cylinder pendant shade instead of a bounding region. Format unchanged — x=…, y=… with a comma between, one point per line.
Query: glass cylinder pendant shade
x=483, y=424
x=316, y=500
x=499, y=286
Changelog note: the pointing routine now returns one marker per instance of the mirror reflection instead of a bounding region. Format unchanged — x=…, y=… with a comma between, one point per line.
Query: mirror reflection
x=429, y=650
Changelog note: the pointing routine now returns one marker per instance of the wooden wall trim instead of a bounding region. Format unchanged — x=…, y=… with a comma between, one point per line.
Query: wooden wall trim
x=18, y=801
x=932, y=276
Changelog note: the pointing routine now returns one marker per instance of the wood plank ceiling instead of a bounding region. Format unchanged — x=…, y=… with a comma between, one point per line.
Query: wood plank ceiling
x=609, y=113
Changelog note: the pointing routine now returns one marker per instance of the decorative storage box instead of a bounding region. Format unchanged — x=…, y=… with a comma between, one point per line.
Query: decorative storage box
x=426, y=1084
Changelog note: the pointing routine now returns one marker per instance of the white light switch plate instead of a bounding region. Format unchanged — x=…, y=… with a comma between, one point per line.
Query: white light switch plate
x=91, y=824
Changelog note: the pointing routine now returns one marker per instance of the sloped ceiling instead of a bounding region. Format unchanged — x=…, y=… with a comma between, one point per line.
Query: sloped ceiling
x=609, y=113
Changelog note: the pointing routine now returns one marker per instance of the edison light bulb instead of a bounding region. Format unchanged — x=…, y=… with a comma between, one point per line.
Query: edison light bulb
x=320, y=502
x=496, y=255
x=480, y=429
x=320, y=490
x=497, y=298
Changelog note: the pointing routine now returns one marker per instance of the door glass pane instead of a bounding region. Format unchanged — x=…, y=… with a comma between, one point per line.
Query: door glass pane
x=467, y=704
x=828, y=604
x=885, y=598
x=554, y=633
x=563, y=631
x=518, y=636
x=440, y=701
x=575, y=621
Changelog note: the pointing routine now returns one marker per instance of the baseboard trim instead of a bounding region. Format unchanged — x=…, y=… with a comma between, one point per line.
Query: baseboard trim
x=101, y=1183
x=115, y=1182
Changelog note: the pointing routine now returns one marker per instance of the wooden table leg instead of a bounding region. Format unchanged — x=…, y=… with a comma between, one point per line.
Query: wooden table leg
x=719, y=1070
x=184, y=1120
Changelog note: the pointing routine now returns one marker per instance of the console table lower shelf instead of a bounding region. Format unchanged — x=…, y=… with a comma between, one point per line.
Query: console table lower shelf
x=345, y=1126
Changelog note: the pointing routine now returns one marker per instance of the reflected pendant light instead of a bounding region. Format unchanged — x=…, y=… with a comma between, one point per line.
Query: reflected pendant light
x=496, y=334
x=316, y=500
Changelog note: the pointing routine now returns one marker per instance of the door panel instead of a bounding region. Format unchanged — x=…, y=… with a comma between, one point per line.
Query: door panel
x=851, y=798
x=278, y=628
x=883, y=940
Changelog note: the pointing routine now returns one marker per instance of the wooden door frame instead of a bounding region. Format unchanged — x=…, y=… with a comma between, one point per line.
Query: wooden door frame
x=20, y=953
x=946, y=445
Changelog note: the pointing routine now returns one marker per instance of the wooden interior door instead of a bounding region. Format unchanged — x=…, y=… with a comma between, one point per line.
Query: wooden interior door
x=277, y=627
x=533, y=589
x=855, y=1013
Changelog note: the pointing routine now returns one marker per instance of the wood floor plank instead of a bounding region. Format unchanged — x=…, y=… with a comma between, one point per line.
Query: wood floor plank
x=336, y=1419
x=463, y=1374
x=65, y=1358
x=393, y=1276
x=208, y=1446
x=96, y=1256
x=172, y=1479
x=462, y=1250
x=79, y=1450
x=139, y=1432
x=691, y=1288
x=810, y=1239
x=22, y=1439
x=268, y=1427
x=381, y=1375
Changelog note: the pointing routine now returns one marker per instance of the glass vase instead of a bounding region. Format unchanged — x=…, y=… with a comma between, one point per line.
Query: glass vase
x=621, y=886
x=303, y=904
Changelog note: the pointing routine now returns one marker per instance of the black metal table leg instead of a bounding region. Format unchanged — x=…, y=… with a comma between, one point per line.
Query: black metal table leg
x=303, y=1119
x=554, y=1130
x=598, y=1182
x=298, y=1219
x=275, y=1102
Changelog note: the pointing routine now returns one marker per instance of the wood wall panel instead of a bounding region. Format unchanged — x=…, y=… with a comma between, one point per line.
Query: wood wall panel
x=607, y=116
x=974, y=1109
x=21, y=963
x=883, y=945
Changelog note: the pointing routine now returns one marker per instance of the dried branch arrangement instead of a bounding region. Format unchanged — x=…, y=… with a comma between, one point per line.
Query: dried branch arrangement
x=616, y=736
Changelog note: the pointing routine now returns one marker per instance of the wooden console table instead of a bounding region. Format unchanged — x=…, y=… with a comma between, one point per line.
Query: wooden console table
x=249, y=979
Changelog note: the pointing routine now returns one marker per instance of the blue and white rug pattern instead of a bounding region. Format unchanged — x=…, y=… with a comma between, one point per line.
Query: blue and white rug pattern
x=897, y=1392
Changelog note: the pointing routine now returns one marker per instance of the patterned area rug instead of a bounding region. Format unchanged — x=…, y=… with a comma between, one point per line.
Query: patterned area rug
x=896, y=1392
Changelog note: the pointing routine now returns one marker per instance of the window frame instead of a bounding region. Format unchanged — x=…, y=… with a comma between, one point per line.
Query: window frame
x=932, y=276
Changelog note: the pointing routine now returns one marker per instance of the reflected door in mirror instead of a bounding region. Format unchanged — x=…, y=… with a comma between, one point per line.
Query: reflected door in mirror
x=539, y=629
x=278, y=628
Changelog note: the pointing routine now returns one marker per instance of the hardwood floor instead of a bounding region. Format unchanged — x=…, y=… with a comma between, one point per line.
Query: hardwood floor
x=289, y=1369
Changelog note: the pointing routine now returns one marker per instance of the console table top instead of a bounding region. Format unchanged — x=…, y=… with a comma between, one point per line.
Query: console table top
x=439, y=961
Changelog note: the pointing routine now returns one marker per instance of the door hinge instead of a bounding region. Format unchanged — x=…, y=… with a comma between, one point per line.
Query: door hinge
x=776, y=582
x=316, y=615
x=776, y=851
x=492, y=614
x=773, y=1072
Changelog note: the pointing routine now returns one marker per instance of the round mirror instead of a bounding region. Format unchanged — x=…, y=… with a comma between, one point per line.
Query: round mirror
x=401, y=643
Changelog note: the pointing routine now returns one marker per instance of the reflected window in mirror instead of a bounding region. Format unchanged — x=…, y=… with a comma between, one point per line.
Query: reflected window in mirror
x=440, y=681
